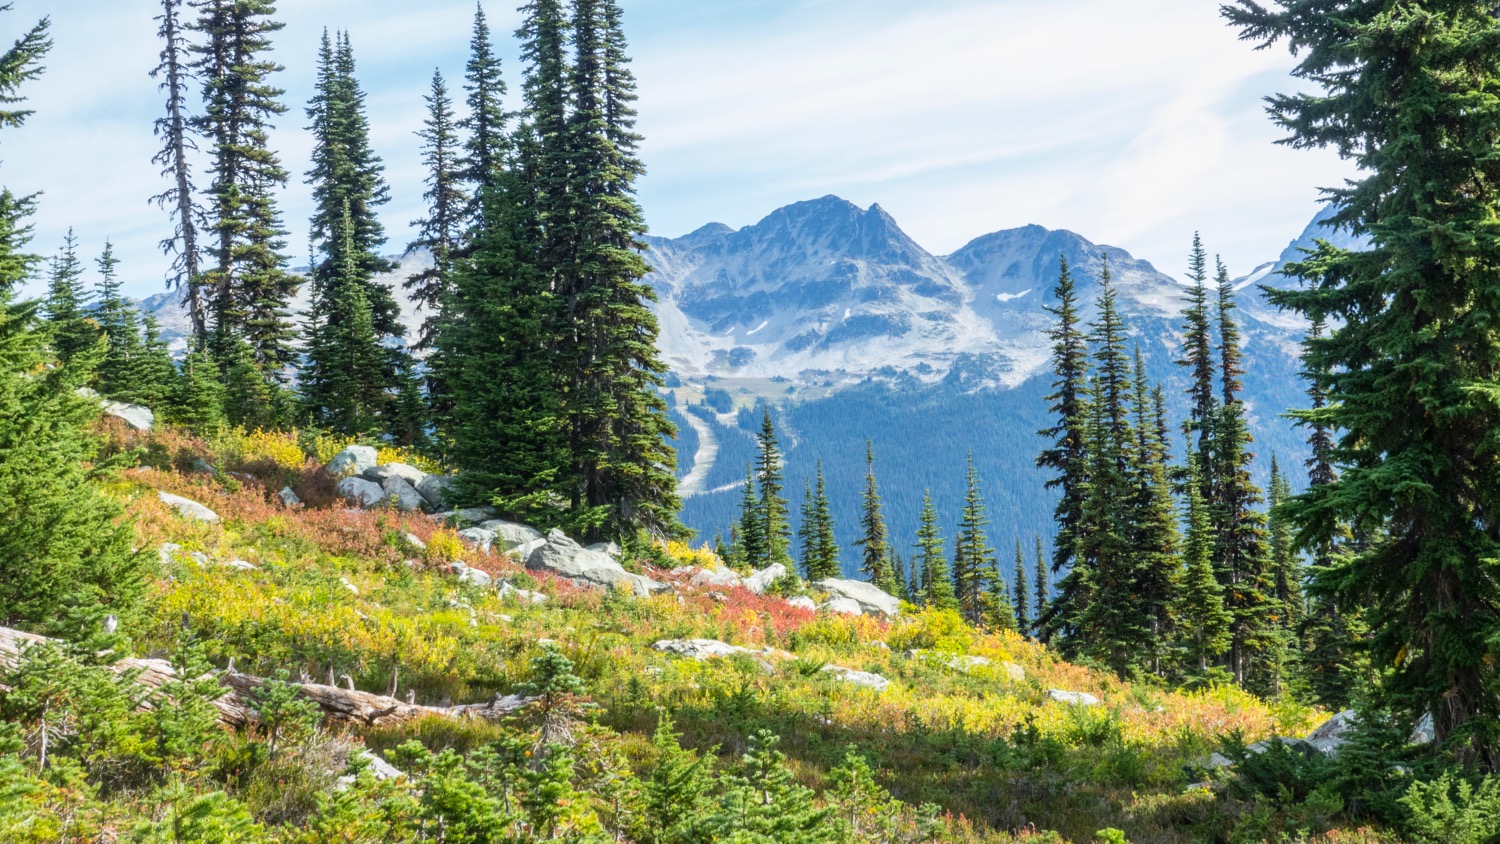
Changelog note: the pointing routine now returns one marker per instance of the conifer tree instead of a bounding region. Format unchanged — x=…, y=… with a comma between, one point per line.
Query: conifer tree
x=1153, y=520
x=827, y=544
x=440, y=232
x=763, y=803
x=1204, y=624
x=774, y=529
x=873, y=544
x=807, y=541
x=974, y=573
x=1020, y=590
x=199, y=404
x=119, y=372
x=1198, y=358
x=1286, y=566
x=621, y=464
x=1042, y=585
x=937, y=577
x=72, y=332
x=64, y=550
x=750, y=544
x=175, y=158
x=343, y=353
x=676, y=793
x=1066, y=457
x=1240, y=552
x=487, y=147
x=247, y=285
x=155, y=379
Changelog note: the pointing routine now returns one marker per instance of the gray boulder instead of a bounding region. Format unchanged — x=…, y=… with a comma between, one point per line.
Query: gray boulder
x=510, y=535
x=288, y=498
x=134, y=415
x=871, y=600
x=842, y=606
x=714, y=579
x=360, y=491
x=188, y=508
x=760, y=581
x=241, y=565
x=414, y=542
x=478, y=538
x=563, y=557
x=354, y=460
x=1072, y=698
x=858, y=678
x=701, y=648
x=1333, y=734
x=802, y=602
x=610, y=548
x=472, y=515
x=402, y=495
x=437, y=489
x=410, y=474
x=471, y=575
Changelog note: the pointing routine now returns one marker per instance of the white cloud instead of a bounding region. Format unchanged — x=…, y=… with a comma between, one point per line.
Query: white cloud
x=1131, y=123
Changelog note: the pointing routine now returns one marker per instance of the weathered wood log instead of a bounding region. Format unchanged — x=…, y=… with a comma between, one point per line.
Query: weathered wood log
x=237, y=705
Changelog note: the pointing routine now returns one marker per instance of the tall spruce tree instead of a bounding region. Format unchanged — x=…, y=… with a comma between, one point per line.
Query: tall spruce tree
x=622, y=466
x=937, y=576
x=65, y=552
x=487, y=147
x=155, y=379
x=1043, y=587
x=774, y=528
x=974, y=565
x=441, y=231
x=1198, y=358
x=1240, y=553
x=174, y=128
x=247, y=285
x=873, y=541
x=750, y=543
x=343, y=350
x=1286, y=563
x=1020, y=592
x=820, y=559
x=119, y=371
x=1153, y=520
x=1066, y=457
x=66, y=303
x=1203, y=622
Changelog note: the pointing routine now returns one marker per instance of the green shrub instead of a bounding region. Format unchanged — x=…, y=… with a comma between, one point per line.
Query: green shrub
x=1452, y=810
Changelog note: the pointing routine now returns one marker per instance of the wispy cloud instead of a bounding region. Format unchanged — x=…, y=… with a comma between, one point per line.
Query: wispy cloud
x=1131, y=123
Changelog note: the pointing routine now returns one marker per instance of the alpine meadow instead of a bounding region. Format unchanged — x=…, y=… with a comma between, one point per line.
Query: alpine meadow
x=370, y=471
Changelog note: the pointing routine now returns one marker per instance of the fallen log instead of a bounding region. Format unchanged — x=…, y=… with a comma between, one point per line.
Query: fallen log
x=237, y=705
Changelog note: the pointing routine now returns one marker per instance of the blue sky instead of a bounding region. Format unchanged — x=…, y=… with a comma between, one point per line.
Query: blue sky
x=1132, y=123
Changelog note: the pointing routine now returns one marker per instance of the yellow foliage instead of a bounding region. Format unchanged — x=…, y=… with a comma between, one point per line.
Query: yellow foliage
x=934, y=630
x=685, y=555
x=396, y=454
x=323, y=446
x=444, y=547
x=279, y=447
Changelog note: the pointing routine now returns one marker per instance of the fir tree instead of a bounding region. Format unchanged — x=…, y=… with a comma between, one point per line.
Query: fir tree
x=64, y=548
x=937, y=577
x=676, y=793
x=155, y=379
x=1240, y=552
x=807, y=538
x=1153, y=520
x=1198, y=358
x=175, y=158
x=763, y=803
x=1204, y=624
x=973, y=559
x=119, y=372
x=750, y=544
x=1286, y=566
x=247, y=286
x=343, y=353
x=1043, y=588
x=774, y=529
x=487, y=147
x=1066, y=457
x=873, y=544
x=1020, y=592
x=622, y=466
x=72, y=332
x=440, y=232
x=826, y=544
x=199, y=404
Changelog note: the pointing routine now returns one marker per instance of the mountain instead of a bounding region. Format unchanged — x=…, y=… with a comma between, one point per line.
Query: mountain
x=849, y=330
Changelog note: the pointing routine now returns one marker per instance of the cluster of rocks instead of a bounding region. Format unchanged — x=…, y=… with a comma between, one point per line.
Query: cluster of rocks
x=1327, y=739
x=702, y=649
x=406, y=488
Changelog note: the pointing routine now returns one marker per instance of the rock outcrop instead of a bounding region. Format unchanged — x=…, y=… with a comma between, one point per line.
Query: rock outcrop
x=563, y=557
x=1072, y=698
x=188, y=508
x=361, y=492
x=858, y=678
x=354, y=460
x=760, y=581
x=871, y=601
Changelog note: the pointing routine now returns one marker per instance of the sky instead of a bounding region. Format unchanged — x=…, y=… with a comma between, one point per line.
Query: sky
x=1131, y=123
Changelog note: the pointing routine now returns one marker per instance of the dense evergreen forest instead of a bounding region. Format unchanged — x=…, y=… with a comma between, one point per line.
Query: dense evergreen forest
x=326, y=581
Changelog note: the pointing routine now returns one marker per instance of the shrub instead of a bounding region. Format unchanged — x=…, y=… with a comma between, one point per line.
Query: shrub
x=932, y=629
x=1449, y=811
